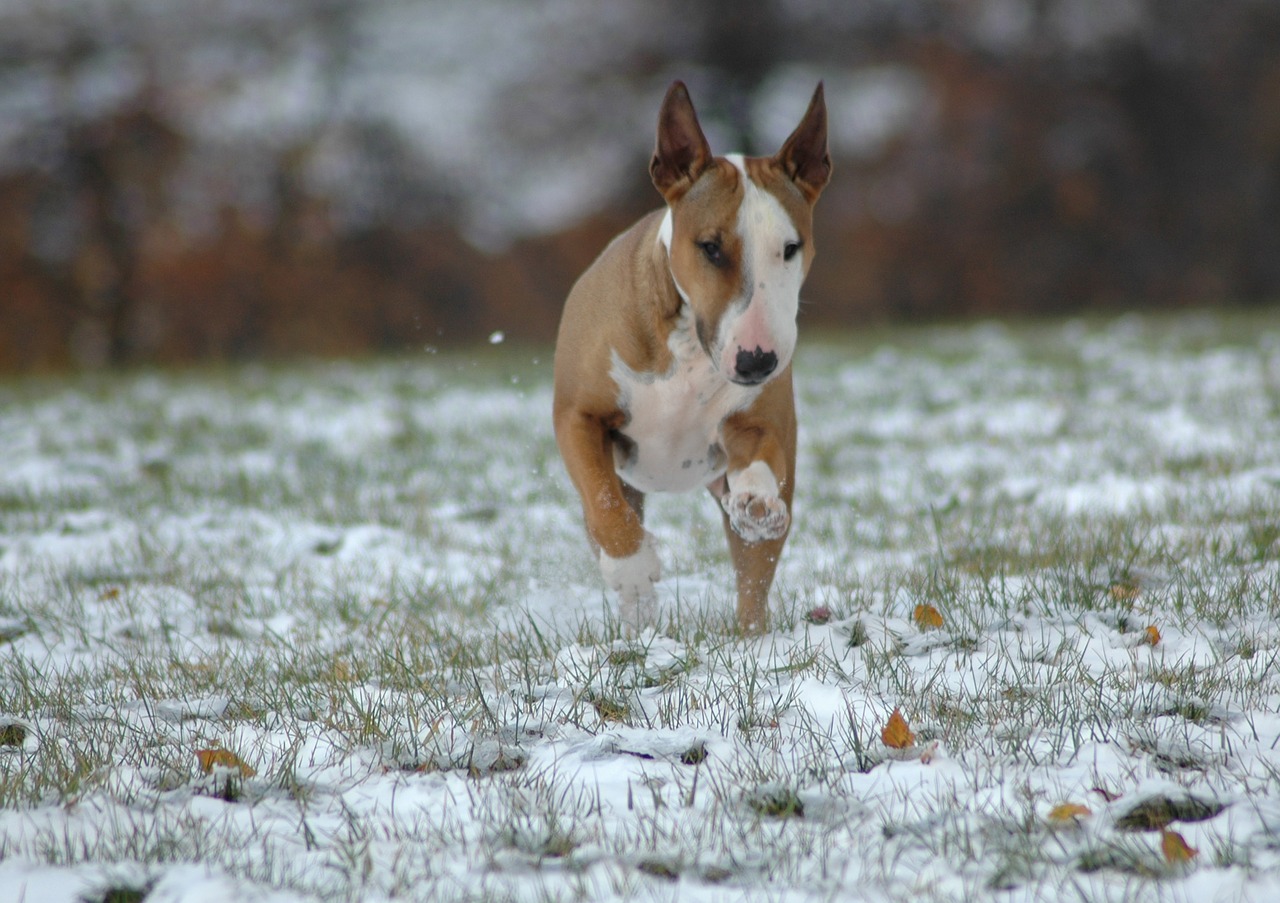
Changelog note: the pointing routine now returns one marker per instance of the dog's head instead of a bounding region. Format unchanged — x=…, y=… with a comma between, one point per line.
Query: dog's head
x=739, y=234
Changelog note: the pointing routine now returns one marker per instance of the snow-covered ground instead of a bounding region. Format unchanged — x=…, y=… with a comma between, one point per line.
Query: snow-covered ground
x=368, y=584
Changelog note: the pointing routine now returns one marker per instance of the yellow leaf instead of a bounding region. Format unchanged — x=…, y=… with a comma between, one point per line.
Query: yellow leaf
x=1064, y=812
x=110, y=594
x=1124, y=590
x=1153, y=635
x=1175, y=847
x=217, y=757
x=896, y=734
x=927, y=617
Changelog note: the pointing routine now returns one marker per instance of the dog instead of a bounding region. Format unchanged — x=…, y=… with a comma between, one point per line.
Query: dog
x=673, y=356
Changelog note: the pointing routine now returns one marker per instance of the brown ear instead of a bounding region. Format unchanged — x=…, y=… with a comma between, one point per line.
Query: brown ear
x=682, y=151
x=804, y=156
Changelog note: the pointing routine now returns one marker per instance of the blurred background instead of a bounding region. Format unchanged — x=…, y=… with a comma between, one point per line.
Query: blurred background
x=236, y=179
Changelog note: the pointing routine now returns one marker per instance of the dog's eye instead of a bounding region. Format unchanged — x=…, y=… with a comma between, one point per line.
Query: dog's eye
x=789, y=249
x=711, y=250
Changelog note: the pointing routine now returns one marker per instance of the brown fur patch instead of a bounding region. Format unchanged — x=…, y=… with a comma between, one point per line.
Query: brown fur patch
x=709, y=212
x=770, y=176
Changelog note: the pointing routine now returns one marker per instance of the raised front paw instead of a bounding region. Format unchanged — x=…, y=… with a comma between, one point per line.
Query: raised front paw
x=632, y=578
x=756, y=517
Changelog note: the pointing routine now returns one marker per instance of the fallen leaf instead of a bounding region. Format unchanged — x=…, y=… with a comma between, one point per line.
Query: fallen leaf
x=218, y=757
x=694, y=755
x=776, y=802
x=928, y=754
x=1175, y=847
x=12, y=734
x=896, y=734
x=659, y=869
x=819, y=615
x=927, y=617
x=1155, y=813
x=610, y=708
x=1152, y=635
x=1124, y=590
x=110, y=594
x=1068, y=812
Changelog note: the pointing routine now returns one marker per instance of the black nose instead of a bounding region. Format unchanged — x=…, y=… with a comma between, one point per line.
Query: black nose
x=753, y=367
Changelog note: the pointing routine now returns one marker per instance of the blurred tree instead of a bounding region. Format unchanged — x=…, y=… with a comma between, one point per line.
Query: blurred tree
x=740, y=45
x=320, y=176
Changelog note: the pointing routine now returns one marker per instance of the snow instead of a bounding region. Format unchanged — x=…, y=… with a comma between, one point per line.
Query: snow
x=400, y=530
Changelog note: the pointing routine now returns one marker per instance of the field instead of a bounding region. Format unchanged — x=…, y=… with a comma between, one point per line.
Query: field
x=332, y=631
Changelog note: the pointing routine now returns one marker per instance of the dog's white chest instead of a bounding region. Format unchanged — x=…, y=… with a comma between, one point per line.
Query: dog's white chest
x=671, y=441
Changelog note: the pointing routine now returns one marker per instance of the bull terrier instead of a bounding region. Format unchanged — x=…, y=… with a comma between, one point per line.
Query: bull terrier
x=673, y=358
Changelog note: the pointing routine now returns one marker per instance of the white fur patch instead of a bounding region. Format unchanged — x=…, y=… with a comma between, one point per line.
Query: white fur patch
x=674, y=418
x=664, y=238
x=664, y=231
x=755, y=479
x=632, y=578
x=765, y=315
x=755, y=511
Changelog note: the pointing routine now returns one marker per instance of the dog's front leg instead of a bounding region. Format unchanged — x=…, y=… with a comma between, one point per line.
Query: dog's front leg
x=757, y=491
x=755, y=494
x=626, y=552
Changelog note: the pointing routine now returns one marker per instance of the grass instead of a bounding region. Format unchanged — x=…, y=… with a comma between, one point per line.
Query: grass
x=369, y=582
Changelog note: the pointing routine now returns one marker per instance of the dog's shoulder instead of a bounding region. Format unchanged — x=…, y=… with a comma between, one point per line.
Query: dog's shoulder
x=621, y=306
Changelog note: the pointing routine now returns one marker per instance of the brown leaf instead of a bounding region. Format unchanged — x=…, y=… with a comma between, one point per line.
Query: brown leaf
x=1124, y=590
x=218, y=757
x=1068, y=812
x=927, y=617
x=1157, y=812
x=1152, y=635
x=896, y=734
x=12, y=734
x=1175, y=847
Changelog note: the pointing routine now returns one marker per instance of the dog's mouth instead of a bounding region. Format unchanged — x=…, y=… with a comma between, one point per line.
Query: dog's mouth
x=747, y=381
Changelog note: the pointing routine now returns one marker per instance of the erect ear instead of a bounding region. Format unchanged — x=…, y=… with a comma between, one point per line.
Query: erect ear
x=682, y=151
x=804, y=156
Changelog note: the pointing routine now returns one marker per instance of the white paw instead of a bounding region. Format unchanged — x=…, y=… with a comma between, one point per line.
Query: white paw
x=632, y=578
x=756, y=513
x=756, y=517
